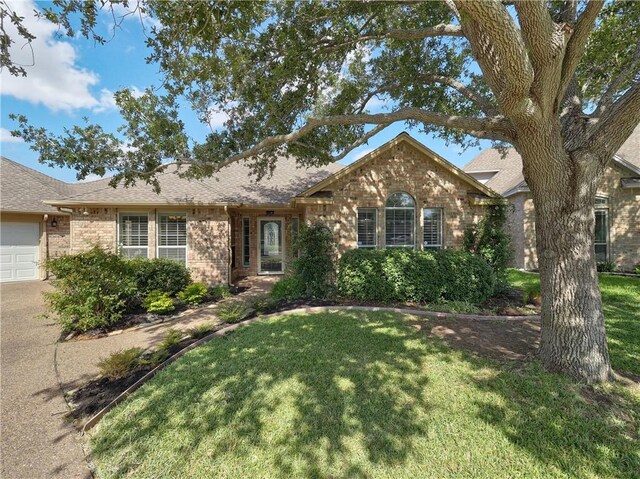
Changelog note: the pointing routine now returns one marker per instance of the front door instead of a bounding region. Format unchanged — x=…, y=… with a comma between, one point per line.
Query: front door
x=271, y=245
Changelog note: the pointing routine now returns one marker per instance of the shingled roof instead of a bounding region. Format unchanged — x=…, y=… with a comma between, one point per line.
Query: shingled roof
x=23, y=189
x=233, y=184
x=509, y=179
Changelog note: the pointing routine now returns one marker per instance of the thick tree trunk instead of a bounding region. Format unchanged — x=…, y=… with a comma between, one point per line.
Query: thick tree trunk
x=573, y=338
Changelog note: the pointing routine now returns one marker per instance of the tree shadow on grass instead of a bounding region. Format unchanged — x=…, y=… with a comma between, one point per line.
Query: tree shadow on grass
x=311, y=393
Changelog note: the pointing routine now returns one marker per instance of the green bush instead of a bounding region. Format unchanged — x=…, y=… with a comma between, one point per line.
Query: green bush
x=636, y=270
x=194, y=294
x=233, y=311
x=201, y=330
x=92, y=289
x=606, y=267
x=159, y=274
x=158, y=302
x=315, y=266
x=265, y=302
x=404, y=275
x=490, y=240
x=289, y=289
x=119, y=364
x=220, y=292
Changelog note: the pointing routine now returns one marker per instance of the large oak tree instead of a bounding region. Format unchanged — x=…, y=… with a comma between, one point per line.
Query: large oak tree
x=557, y=80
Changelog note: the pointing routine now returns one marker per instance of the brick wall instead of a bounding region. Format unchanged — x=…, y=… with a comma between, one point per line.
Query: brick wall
x=96, y=227
x=58, y=237
x=401, y=168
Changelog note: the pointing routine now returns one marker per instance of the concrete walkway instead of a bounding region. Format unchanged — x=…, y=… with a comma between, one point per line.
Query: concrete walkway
x=36, y=440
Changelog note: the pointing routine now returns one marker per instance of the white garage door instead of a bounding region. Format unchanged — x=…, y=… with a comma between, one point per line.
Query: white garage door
x=19, y=251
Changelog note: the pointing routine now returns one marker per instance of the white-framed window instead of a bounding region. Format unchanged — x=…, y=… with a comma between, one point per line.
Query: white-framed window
x=367, y=228
x=246, y=241
x=601, y=240
x=295, y=232
x=400, y=221
x=133, y=235
x=432, y=232
x=172, y=236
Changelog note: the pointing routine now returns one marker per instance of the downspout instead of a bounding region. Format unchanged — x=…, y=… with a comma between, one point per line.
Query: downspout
x=46, y=248
x=229, y=233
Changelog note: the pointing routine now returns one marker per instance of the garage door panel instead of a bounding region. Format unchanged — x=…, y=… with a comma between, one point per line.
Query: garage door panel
x=19, y=251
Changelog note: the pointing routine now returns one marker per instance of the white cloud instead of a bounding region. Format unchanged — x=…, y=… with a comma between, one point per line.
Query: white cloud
x=91, y=177
x=54, y=79
x=362, y=153
x=5, y=137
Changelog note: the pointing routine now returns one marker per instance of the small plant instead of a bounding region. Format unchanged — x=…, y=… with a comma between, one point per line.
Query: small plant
x=220, y=292
x=233, y=311
x=201, y=330
x=460, y=307
x=158, y=302
x=194, y=294
x=119, y=364
x=171, y=339
x=606, y=267
x=532, y=295
x=289, y=289
x=265, y=303
x=636, y=270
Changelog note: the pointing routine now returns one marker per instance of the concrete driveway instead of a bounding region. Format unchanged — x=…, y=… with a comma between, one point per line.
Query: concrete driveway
x=36, y=440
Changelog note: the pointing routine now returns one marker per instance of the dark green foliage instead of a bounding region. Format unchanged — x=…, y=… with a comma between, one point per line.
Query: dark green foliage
x=93, y=289
x=606, y=267
x=201, y=330
x=490, y=240
x=158, y=302
x=171, y=339
x=265, y=303
x=289, y=289
x=159, y=274
x=119, y=364
x=636, y=270
x=315, y=267
x=194, y=294
x=404, y=275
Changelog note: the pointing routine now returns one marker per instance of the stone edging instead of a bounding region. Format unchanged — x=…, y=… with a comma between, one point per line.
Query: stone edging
x=313, y=309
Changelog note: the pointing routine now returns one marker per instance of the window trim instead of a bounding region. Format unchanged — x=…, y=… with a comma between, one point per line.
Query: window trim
x=295, y=233
x=607, y=242
x=246, y=242
x=119, y=244
x=441, y=232
x=375, y=227
x=186, y=239
x=386, y=208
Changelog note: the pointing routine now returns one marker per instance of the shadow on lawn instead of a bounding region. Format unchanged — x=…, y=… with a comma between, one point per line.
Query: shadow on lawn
x=355, y=391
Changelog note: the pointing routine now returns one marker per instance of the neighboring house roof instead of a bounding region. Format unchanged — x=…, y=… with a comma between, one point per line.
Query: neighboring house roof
x=23, y=189
x=233, y=184
x=402, y=137
x=509, y=178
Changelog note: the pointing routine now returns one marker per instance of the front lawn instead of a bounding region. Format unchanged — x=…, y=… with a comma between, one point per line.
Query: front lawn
x=355, y=394
x=621, y=299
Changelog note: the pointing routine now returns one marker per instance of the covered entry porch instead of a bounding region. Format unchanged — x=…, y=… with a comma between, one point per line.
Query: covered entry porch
x=261, y=240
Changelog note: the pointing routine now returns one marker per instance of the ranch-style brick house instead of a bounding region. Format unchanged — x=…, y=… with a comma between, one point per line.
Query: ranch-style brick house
x=229, y=226
x=617, y=204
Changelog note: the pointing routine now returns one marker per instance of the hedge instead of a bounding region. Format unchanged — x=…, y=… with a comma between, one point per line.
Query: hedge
x=404, y=275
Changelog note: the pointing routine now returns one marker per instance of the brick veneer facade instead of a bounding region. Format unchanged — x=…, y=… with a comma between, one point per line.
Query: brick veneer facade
x=624, y=223
x=401, y=168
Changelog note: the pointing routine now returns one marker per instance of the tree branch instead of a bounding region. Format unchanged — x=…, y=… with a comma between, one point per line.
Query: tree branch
x=617, y=123
x=495, y=128
x=500, y=51
x=631, y=69
x=577, y=44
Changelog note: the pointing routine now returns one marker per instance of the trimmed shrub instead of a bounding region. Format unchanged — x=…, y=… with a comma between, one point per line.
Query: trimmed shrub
x=403, y=275
x=315, y=266
x=194, y=294
x=233, y=311
x=289, y=289
x=158, y=302
x=119, y=364
x=159, y=274
x=92, y=289
x=220, y=292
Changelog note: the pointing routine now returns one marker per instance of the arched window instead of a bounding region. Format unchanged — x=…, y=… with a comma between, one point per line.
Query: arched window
x=400, y=214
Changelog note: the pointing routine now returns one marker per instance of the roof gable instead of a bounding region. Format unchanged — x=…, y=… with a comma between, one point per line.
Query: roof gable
x=401, y=138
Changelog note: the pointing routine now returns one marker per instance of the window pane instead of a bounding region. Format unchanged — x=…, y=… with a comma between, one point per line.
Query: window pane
x=601, y=253
x=172, y=230
x=601, y=227
x=130, y=253
x=177, y=254
x=432, y=228
x=399, y=227
x=134, y=230
x=400, y=200
x=601, y=201
x=366, y=228
x=246, y=241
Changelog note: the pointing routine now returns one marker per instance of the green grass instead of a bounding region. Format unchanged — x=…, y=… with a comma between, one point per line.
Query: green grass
x=354, y=394
x=621, y=300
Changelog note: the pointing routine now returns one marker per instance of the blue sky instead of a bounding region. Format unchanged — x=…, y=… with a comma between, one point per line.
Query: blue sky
x=75, y=78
